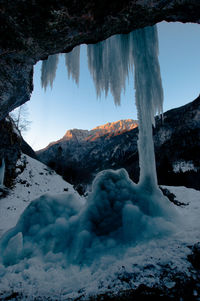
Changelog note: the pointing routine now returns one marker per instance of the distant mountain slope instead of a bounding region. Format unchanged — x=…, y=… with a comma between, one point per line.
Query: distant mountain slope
x=80, y=154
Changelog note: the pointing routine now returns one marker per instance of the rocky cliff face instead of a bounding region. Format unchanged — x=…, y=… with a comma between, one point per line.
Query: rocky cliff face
x=177, y=147
x=32, y=30
x=10, y=149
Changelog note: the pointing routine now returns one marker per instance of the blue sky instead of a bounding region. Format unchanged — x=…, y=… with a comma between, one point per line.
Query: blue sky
x=68, y=106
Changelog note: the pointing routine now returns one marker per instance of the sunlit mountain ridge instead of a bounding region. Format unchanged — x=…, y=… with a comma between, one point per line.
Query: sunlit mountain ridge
x=109, y=129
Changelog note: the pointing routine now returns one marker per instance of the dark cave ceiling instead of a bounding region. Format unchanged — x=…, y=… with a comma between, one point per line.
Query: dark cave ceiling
x=32, y=30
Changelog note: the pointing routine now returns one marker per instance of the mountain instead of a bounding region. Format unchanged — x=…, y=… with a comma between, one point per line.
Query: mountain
x=110, y=129
x=80, y=154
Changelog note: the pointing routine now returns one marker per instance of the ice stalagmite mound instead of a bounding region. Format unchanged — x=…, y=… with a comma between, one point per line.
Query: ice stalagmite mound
x=47, y=225
x=63, y=229
x=117, y=212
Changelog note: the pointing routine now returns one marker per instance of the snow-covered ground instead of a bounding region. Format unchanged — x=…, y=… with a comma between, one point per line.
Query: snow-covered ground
x=35, y=180
x=183, y=166
x=150, y=262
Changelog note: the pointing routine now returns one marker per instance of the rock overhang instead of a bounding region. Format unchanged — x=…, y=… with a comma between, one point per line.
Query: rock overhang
x=32, y=30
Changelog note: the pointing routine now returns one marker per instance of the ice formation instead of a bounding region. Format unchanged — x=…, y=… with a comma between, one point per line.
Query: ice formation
x=109, y=63
x=72, y=61
x=149, y=99
x=49, y=67
x=117, y=211
x=2, y=172
x=63, y=228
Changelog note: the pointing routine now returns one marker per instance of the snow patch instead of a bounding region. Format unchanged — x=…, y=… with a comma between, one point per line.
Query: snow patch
x=183, y=166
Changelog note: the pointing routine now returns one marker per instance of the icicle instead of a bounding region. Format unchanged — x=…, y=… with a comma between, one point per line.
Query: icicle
x=149, y=99
x=49, y=67
x=72, y=61
x=2, y=172
x=109, y=63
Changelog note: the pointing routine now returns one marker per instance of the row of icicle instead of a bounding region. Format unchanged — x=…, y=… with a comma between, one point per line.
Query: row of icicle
x=109, y=63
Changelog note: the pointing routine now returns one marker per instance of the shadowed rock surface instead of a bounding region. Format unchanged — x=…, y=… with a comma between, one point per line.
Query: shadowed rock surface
x=11, y=146
x=32, y=30
x=10, y=149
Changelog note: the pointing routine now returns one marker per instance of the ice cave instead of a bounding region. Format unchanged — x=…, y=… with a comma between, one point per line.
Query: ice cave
x=122, y=234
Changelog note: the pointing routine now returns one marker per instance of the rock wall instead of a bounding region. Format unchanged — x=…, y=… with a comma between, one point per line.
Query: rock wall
x=32, y=30
x=10, y=149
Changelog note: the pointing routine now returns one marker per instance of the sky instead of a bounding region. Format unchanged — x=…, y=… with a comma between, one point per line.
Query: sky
x=69, y=106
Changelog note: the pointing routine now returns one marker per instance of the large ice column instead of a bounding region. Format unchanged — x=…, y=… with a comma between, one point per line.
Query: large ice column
x=109, y=63
x=149, y=99
x=49, y=67
x=72, y=61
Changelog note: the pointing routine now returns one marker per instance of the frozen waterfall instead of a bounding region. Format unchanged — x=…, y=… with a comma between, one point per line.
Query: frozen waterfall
x=109, y=63
x=49, y=67
x=149, y=98
x=72, y=61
